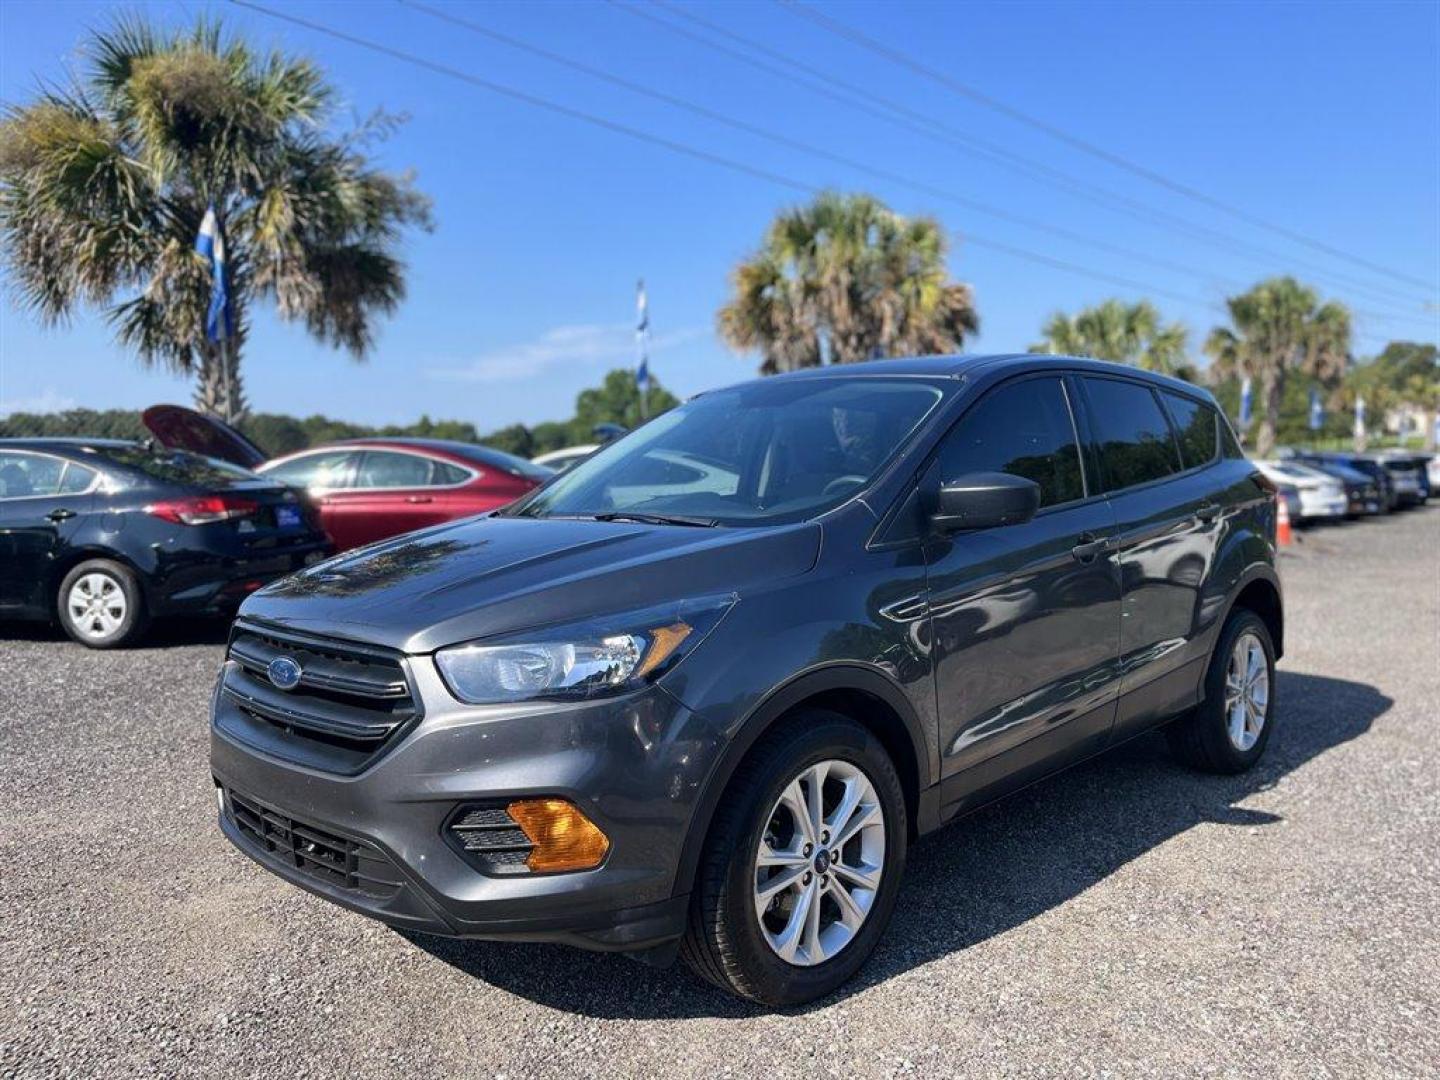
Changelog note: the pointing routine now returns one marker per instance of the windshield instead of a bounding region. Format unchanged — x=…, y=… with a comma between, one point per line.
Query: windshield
x=763, y=453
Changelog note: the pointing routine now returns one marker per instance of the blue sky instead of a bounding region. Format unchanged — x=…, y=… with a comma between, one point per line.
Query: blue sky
x=1324, y=118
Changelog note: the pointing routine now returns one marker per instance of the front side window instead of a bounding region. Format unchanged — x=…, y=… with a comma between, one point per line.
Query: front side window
x=1136, y=445
x=765, y=452
x=330, y=469
x=1195, y=429
x=24, y=476
x=1023, y=428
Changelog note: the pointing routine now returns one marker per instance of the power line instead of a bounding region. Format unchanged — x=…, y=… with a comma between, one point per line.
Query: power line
x=890, y=111
x=674, y=146
x=780, y=139
x=849, y=33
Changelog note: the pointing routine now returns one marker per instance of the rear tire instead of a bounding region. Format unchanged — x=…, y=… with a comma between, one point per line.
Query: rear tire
x=1229, y=730
x=766, y=947
x=101, y=605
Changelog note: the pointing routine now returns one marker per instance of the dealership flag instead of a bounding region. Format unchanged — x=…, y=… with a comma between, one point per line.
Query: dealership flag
x=1317, y=412
x=1359, y=417
x=1247, y=401
x=642, y=343
x=210, y=243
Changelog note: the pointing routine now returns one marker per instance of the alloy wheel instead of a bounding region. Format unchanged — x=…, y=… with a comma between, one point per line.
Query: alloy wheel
x=1247, y=692
x=819, y=862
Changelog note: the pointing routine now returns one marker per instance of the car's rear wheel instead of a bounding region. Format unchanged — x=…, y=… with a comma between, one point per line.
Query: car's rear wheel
x=802, y=865
x=1229, y=730
x=100, y=604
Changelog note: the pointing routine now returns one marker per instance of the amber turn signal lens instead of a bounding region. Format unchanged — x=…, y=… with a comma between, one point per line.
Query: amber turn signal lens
x=564, y=838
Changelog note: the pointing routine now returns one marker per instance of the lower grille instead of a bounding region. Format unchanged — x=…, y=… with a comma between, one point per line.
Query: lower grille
x=489, y=839
x=335, y=860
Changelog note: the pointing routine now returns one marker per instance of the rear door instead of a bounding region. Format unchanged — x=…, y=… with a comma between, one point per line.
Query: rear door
x=1025, y=618
x=43, y=500
x=1170, y=517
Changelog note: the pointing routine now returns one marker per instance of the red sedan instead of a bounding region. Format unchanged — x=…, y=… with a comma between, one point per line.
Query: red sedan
x=367, y=489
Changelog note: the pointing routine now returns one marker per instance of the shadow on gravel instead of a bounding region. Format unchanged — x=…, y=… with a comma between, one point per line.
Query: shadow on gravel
x=981, y=876
x=163, y=634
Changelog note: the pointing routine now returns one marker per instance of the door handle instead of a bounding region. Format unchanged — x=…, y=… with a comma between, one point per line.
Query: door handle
x=1207, y=513
x=418, y=499
x=1090, y=546
x=60, y=514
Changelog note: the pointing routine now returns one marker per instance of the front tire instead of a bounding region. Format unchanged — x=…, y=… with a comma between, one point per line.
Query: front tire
x=802, y=865
x=1229, y=730
x=101, y=605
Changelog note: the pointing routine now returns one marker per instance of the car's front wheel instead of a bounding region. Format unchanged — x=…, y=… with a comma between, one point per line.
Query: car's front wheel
x=802, y=865
x=100, y=604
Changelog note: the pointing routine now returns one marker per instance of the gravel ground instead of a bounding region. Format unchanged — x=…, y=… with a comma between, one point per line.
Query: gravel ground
x=1128, y=917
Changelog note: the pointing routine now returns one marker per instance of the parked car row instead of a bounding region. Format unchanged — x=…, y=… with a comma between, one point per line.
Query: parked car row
x=101, y=535
x=1327, y=485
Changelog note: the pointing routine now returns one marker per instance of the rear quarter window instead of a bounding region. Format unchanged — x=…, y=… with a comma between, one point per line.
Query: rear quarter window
x=1196, y=429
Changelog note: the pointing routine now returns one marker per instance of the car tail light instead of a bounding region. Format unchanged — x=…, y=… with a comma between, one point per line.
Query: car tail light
x=203, y=509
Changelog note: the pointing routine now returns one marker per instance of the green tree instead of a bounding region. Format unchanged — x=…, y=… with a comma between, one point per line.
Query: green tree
x=846, y=279
x=1406, y=374
x=1123, y=333
x=103, y=187
x=1278, y=327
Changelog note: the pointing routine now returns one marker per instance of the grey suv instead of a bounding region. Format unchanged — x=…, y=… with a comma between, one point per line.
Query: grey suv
x=700, y=693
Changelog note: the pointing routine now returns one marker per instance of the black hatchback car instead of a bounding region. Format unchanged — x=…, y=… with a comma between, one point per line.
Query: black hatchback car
x=101, y=535
x=700, y=693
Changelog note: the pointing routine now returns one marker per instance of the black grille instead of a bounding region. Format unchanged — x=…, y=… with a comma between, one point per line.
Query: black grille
x=351, y=702
x=336, y=860
x=488, y=837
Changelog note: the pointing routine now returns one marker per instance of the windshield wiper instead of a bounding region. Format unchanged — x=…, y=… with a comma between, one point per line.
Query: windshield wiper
x=657, y=519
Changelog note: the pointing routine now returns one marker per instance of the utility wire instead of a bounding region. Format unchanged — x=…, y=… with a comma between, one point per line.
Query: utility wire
x=826, y=85
x=806, y=148
x=857, y=37
x=679, y=147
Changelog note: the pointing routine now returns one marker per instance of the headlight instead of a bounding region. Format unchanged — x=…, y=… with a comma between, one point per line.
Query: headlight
x=585, y=660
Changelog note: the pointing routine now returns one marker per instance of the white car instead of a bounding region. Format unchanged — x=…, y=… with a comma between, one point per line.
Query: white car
x=560, y=460
x=1321, y=495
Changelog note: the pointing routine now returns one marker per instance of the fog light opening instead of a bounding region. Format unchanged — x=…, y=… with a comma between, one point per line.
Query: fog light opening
x=563, y=837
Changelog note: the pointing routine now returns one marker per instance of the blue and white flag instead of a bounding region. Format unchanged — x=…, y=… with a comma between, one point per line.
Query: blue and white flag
x=1359, y=417
x=210, y=243
x=642, y=338
x=1247, y=402
x=1317, y=412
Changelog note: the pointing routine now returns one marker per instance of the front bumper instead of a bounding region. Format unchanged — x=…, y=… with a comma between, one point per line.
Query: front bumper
x=633, y=765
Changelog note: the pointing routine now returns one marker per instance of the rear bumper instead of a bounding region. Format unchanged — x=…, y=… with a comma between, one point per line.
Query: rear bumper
x=208, y=580
x=635, y=766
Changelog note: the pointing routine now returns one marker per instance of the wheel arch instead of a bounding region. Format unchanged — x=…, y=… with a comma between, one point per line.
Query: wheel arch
x=1259, y=591
x=862, y=693
x=73, y=557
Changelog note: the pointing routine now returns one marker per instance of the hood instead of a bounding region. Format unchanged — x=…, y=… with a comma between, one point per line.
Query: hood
x=493, y=575
x=179, y=428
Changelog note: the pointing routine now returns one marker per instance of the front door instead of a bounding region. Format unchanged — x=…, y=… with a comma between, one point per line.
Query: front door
x=1025, y=618
x=43, y=499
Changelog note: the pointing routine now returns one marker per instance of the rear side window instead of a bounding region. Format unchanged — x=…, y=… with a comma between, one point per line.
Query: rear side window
x=446, y=474
x=1024, y=429
x=23, y=476
x=1195, y=429
x=77, y=478
x=1134, y=437
x=379, y=469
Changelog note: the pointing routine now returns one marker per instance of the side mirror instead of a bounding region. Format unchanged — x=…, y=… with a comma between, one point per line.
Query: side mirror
x=984, y=500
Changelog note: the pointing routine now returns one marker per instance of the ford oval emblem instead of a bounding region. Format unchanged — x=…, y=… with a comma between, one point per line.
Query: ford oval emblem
x=284, y=672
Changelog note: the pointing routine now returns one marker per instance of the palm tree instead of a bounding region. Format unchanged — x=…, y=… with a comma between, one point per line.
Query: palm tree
x=1124, y=333
x=1279, y=326
x=103, y=187
x=846, y=279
